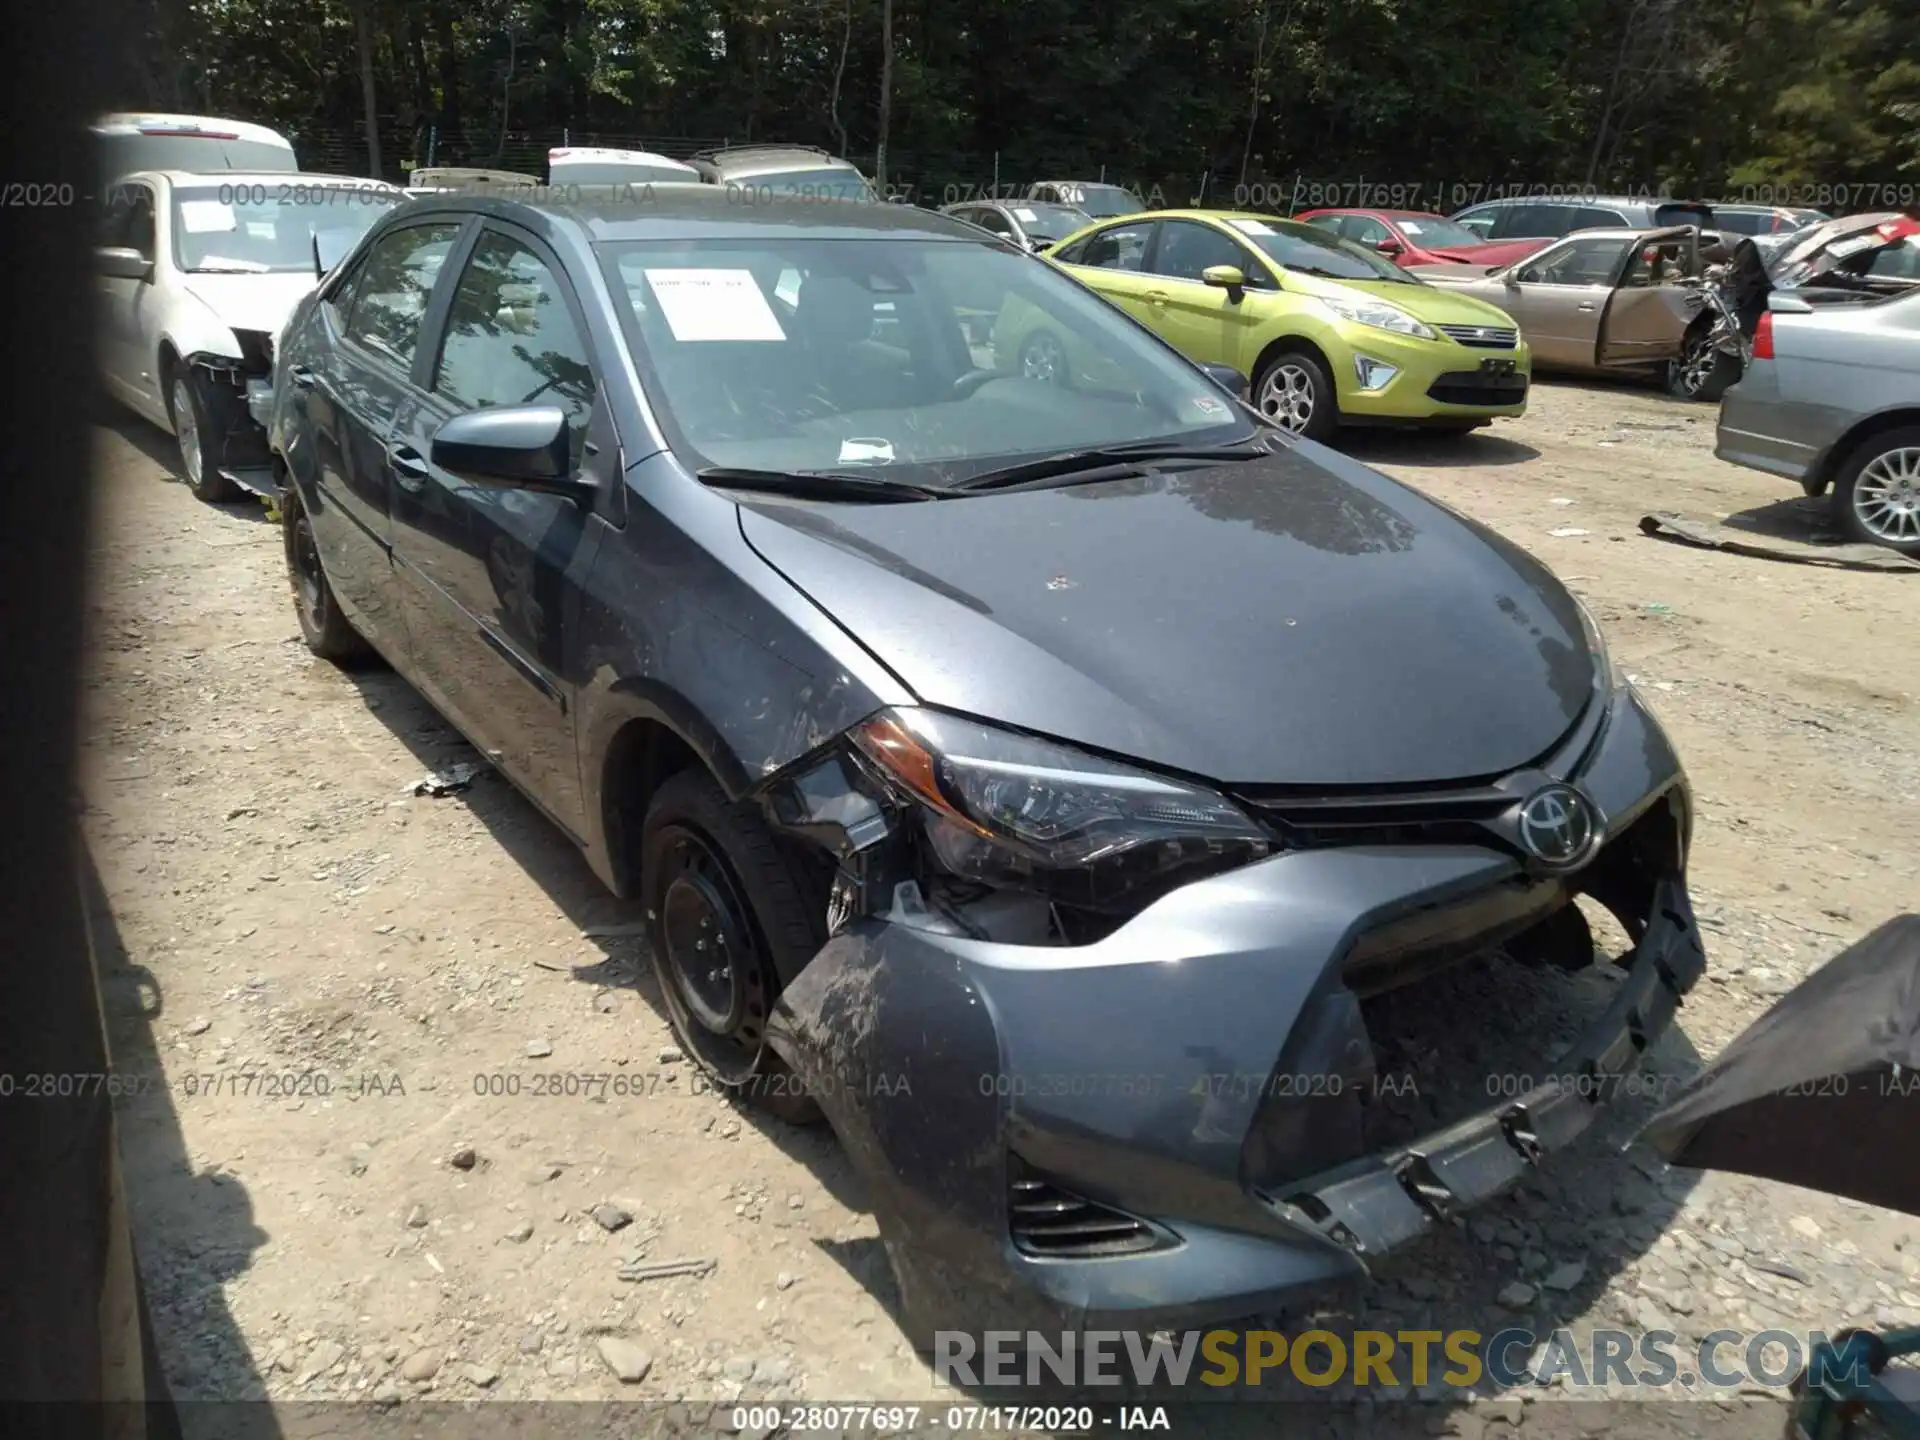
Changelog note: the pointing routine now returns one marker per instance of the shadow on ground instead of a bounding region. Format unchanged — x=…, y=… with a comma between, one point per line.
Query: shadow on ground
x=1421, y=447
x=194, y=1230
x=159, y=447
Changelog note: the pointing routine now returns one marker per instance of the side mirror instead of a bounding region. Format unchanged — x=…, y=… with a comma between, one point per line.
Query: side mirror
x=525, y=447
x=1227, y=378
x=122, y=262
x=1783, y=304
x=1389, y=247
x=1229, y=278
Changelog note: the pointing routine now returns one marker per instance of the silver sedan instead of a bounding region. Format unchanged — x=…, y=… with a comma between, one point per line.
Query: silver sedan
x=1832, y=400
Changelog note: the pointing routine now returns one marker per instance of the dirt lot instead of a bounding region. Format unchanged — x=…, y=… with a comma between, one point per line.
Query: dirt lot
x=277, y=902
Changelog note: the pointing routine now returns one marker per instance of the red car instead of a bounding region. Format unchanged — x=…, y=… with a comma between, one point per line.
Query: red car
x=1417, y=237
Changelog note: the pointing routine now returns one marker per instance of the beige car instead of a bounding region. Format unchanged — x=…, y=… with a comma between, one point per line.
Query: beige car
x=1597, y=301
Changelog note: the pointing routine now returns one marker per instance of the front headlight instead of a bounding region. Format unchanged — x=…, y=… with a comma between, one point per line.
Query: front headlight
x=1011, y=811
x=1365, y=310
x=1596, y=647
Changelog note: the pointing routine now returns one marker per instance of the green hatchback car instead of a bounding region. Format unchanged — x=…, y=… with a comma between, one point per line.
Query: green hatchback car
x=1328, y=333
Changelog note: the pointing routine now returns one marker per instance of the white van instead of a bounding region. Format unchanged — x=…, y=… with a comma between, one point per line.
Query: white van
x=585, y=165
x=195, y=143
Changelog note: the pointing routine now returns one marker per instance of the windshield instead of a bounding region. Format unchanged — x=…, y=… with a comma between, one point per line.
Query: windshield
x=268, y=227
x=618, y=172
x=828, y=183
x=1049, y=222
x=929, y=361
x=1431, y=232
x=1101, y=201
x=1309, y=250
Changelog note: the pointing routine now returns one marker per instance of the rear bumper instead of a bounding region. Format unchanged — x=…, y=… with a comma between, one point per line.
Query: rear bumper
x=1201, y=1072
x=1747, y=432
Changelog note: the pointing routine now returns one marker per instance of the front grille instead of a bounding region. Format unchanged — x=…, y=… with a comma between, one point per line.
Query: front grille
x=1438, y=817
x=1473, y=387
x=1055, y=1224
x=1481, y=337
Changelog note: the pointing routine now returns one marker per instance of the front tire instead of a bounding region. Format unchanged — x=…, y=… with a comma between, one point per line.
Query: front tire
x=1704, y=372
x=1294, y=391
x=198, y=461
x=1876, y=495
x=728, y=914
x=326, y=630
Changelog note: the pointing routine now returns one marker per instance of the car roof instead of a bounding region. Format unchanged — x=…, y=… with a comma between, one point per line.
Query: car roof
x=260, y=177
x=610, y=213
x=133, y=122
x=774, y=159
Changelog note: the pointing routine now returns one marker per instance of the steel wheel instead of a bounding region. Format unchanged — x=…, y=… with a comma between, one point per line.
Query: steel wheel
x=1886, y=497
x=1287, y=396
x=1043, y=358
x=186, y=429
x=716, y=971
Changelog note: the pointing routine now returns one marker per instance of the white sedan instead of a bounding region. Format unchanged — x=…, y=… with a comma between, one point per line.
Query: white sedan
x=196, y=274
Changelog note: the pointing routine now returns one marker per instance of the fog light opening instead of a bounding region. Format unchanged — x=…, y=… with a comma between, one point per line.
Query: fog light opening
x=1373, y=374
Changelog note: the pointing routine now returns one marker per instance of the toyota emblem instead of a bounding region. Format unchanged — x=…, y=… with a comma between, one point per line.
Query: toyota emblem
x=1558, y=826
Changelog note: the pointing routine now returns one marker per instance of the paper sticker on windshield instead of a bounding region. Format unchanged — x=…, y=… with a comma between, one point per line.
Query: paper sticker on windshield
x=1208, y=408
x=1025, y=217
x=1251, y=227
x=855, y=451
x=714, y=305
x=207, y=217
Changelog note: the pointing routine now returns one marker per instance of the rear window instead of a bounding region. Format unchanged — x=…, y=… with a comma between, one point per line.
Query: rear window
x=125, y=154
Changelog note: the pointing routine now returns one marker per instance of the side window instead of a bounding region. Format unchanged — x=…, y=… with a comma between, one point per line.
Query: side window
x=1589, y=217
x=391, y=291
x=127, y=220
x=1119, y=247
x=1187, y=248
x=339, y=301
x=990, y=219
x=1534, y=217
x=511, y=340
x=1365, y=230
x=1590, y=261
x=1328, y=222
x=1481, y=219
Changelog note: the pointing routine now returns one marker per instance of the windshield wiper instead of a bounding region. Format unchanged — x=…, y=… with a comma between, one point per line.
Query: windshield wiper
x=1107, y=461
x=818, y=484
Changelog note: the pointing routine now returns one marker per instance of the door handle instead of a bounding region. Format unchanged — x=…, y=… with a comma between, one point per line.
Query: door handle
x=1156, y=297
x=301, y=376
x=1586, y=305
x=410, y=471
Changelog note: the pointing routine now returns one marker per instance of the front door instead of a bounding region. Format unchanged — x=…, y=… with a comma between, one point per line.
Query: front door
x=1558, y=296
x=491, y=574
x=1649, y=310
x=1202, y=321
x=128, y=222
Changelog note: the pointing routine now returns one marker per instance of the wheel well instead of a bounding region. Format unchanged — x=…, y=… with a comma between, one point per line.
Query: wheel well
x=1838, y=453
x=1288, y=344
x=641, y=756
x=169, y=359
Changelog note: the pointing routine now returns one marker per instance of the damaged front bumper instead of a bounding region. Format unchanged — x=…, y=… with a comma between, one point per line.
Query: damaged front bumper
x=1164, y=1128
x=237, y=396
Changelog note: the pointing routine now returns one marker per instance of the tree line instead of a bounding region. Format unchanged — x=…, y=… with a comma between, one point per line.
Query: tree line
x=1800, y=100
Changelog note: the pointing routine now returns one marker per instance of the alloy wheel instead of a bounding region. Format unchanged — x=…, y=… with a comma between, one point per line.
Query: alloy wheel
x=1886, y=496
x=1286, y=396
x=1043, y=359
x=186, y=428
x=1697, y=365
x=715, y=970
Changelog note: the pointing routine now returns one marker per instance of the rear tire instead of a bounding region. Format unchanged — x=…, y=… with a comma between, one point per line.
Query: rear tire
x=326, y=630
x=198, y=460
x=728, y=914
x=1876, y=494
x=1295, y=392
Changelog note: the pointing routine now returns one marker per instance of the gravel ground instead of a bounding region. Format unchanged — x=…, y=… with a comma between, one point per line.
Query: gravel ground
x=399, y=1226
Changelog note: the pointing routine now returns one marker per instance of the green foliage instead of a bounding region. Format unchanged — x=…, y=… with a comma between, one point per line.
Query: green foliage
x=1690, y=93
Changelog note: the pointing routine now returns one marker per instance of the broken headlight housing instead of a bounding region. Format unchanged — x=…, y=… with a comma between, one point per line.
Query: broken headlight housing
x=1014, y=812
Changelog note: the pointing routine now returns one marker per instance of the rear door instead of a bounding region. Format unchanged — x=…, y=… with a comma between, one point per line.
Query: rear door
x=1112, y=262
x=1559, y=295
x=351, y=393
x=1646, y=316
x=490, y=575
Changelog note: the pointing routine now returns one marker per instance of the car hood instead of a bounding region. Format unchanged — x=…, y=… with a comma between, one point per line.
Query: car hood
x=1299, y=619
x=1423, y=302
x=250, y=302
x=1821, y=248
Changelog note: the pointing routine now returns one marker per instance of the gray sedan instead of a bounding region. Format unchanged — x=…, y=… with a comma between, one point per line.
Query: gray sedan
x=1832, y=400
